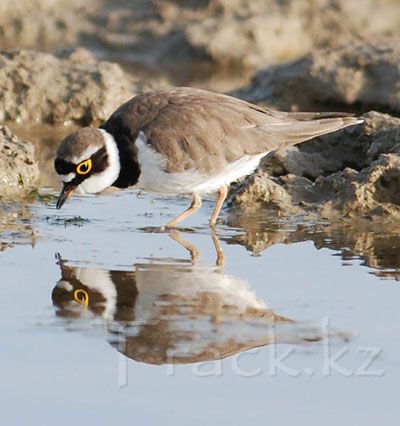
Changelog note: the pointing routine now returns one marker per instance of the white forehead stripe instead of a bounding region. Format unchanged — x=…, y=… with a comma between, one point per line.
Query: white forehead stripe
x=68, y=177
x=65, y=285
x=98, y=182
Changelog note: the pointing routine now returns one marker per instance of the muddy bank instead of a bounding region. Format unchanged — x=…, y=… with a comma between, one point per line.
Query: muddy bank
x=359, y=76
x=241, y=33
x=70, y=87
x=19, y=172
x=45, y=25
x=348, y=174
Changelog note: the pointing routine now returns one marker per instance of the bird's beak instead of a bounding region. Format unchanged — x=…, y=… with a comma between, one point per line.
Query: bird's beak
x=65, y=193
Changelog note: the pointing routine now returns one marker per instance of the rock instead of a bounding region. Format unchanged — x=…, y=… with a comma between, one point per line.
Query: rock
x=252, y=33
x=358, y=75
x=349, y=174
x=243, y=33
x=19, y=172
x=45, y=25
x=70, y=87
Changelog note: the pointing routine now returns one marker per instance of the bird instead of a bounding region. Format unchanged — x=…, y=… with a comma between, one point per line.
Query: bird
x=183, y=142
x=167, y=312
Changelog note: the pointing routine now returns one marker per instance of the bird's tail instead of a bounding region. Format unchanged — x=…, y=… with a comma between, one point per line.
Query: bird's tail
x=305, y=126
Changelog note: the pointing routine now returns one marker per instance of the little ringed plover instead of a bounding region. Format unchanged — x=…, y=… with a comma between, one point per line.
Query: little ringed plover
x=183, y=141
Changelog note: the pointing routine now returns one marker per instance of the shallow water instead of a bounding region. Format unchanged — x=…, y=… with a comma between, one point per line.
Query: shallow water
x=104, y=321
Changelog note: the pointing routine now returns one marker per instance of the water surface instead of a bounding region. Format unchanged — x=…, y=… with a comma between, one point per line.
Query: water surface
x=103, y=321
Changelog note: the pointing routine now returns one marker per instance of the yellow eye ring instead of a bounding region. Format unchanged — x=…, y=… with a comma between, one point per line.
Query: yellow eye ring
x=84, y=167
x=81, y=296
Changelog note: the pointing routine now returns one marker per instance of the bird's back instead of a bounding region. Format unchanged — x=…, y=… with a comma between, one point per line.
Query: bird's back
x=202, y=130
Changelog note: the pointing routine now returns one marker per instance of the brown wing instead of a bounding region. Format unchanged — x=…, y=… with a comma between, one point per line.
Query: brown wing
x=195, y=128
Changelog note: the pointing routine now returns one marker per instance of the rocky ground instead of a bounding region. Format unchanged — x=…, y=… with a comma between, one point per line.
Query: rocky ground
x=349, y=174
x=19, y=172
x=358, y=77
x=247, y=33
x=72, y=86
x=56, y=68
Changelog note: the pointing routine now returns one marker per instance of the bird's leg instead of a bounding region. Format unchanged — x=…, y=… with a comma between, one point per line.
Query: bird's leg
x=195, y=252
x=220, y=254
x=191, y=248
x=222, y=194
x=196, y=204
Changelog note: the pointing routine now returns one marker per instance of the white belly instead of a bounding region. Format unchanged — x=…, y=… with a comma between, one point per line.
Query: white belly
x=154, y=179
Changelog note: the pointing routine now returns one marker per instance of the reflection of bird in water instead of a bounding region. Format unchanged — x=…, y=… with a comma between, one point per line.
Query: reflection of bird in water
x=173, y=313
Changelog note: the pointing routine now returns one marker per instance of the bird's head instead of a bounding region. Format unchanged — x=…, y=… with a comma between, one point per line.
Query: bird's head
x=87, y=161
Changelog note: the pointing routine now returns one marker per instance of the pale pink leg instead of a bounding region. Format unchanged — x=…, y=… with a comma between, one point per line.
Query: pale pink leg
x=196, y=204
x=222, y=194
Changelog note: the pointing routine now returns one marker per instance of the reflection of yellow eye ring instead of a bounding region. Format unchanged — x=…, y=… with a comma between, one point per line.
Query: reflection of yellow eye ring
x=81, y=296
x=84, y=167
